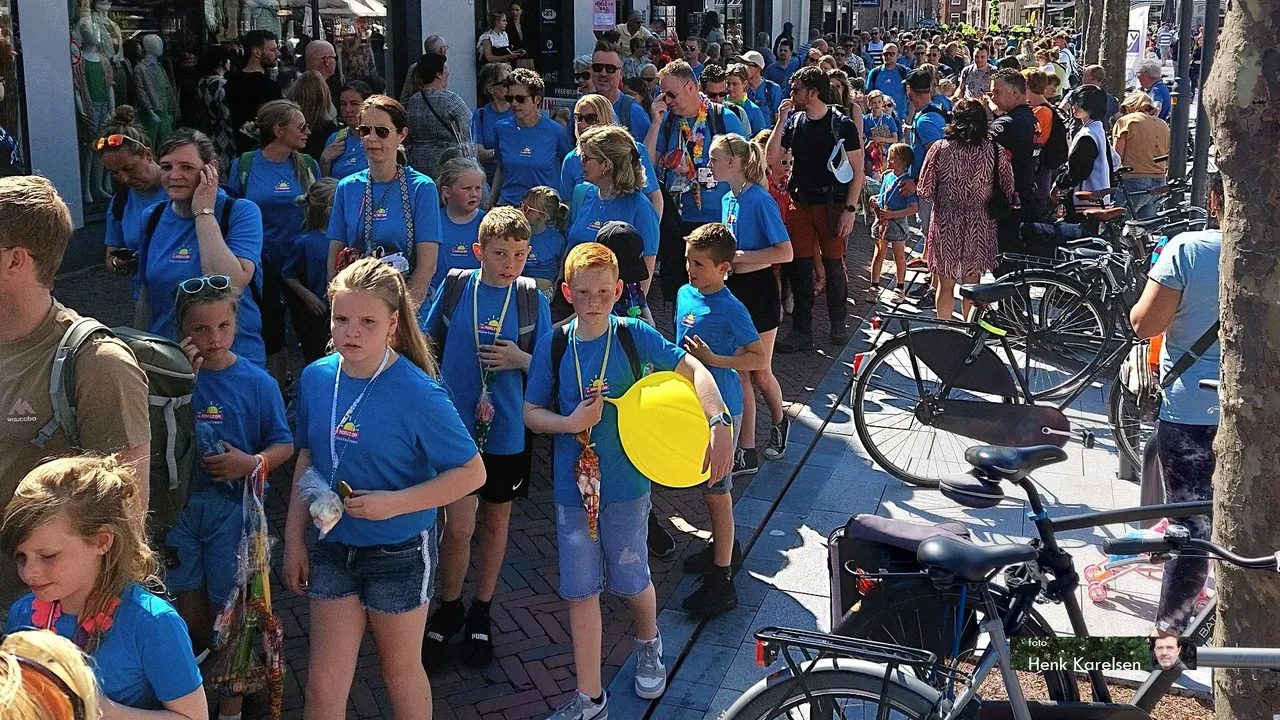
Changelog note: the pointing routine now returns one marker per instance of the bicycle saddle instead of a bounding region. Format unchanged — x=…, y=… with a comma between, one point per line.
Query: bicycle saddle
x=1087, y=253
x=969, y=562
x=1013, y=463
x=1104, y=214
x=1095, y=195
x=988, y=293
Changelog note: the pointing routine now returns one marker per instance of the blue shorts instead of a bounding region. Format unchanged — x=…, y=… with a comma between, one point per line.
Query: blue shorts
x=725, y=486
x=388, y=579
x=618, y=560
x=204, y=544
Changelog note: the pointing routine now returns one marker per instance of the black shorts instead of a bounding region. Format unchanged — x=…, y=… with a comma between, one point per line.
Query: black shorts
x=506, y=476
x=758, y=290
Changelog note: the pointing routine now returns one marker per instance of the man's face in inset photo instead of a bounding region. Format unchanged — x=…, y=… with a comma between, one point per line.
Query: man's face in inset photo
x=1166, y=652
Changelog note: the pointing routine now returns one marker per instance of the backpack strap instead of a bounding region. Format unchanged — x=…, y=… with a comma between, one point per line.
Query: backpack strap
x=246, y=166
x=224, y=225
x=624, y=112
x=118, y=201
x=629, y=346
x=153, y=221
x=902, y=72
x=62, y=380
x=715, y=120
x=454, y=284
x=527, y=296
x=1193, y=354
x=871, y=79
x=314, y=167
x=559, y=344
x=579, y=197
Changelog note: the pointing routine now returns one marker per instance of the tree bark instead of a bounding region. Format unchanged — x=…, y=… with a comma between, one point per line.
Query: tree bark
x=1243, y=101
x=1094, y=33
x=1114, y=44
x=1084, y=8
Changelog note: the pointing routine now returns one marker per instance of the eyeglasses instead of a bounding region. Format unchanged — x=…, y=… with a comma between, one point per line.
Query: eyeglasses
x=605, y=68
x=304, y=127
x=115, y=141
x=54, y=693
x=191, y=286
x=365, y=131
x=588, y=118
x=585, y=75
x=669, y=95
x=653, y=79
x=517, y=99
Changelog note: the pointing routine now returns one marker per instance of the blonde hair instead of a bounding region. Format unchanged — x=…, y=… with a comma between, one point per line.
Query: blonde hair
x=95, y=494
x=503, y=223
x=58, y=656
x=598, y=104
x=873, y=96
x=547, y=201
x=749, y=154
x=456, y=169
x=319, y=203
x=34, y=217
x=1138, y=102
x=276, y=114
x=614, y=143
x=312, y=95
x=387, y=284
x=586, y=256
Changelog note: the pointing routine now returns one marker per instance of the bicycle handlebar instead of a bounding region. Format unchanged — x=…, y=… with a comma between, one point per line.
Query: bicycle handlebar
x=1172, y=543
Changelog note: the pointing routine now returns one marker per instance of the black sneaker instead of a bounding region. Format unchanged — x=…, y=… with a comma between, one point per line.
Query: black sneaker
x=703, y=561
x=795, y=341
x=745, y=462
x=920, y=290
x=839, y=336
x=778, y=434
x=477, y=642
x=716, y=596
x=447, y=622
x=661, y=544
x=928, y=302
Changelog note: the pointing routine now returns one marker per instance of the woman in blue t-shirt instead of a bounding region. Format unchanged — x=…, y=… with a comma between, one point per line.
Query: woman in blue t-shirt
x=73, y=529
x=343, y=152
x=461, y=187
x=390, y=211
x=200, y=232
x=485, y=119
x=530, y=147
x=273, y=177
x=125, y=152
x=591, y=111
x=375, y=426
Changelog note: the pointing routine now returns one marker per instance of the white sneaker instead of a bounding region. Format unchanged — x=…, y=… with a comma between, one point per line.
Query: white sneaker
x=651, y=674
x=581, y=708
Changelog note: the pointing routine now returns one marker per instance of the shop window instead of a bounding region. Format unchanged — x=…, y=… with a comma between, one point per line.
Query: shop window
x=13, y=136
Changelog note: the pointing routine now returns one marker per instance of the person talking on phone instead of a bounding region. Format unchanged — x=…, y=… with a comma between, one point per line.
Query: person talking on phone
x=124, y=152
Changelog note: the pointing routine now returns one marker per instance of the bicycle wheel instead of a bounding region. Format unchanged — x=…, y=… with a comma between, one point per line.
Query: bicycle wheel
x=890, y=408
x=1127, y=430
x=846, y=691
x=1057, y=331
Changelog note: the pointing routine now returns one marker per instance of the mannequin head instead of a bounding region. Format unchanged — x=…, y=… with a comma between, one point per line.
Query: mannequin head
x=153, y=45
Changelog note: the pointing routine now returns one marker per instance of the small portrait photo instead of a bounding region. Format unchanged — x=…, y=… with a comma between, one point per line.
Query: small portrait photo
x=1167, y=651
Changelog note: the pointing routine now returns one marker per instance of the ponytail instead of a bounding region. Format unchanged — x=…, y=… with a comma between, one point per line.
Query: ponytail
x=387, y=284
x=749, y=154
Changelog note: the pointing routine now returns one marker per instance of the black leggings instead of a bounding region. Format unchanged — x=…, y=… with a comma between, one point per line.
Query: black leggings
x=799, y=274
x=1186, y=463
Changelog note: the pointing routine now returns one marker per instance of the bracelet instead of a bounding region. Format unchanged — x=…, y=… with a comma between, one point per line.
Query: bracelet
x=262, y=460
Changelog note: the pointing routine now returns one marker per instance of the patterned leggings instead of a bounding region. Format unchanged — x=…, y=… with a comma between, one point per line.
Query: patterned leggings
x=1187, y=462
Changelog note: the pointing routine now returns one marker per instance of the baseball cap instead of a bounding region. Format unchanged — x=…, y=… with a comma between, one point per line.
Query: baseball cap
x=626, y=243
x=751, y=57
x=919, y=80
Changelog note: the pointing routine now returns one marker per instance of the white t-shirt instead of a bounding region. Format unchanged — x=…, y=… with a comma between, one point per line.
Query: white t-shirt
x=497, y=40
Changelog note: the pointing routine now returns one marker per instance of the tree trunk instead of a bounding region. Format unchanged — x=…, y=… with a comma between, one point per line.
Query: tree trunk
x=1094, y=33
x=1243, y=101
x=1114, y=44
x=1084, y=8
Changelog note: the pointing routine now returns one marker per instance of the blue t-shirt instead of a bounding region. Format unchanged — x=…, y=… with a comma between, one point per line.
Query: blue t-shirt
x=174, y=256
x=697, y=72
x=891, y=82
x=926, y=129
x=755, y=116
x=530, y=156
x=460, y=366
x=1159, y=93
x=767, y=97
x=942, y=101
x=1190, y=263
x=700, y=203
x=273, y=187
x=637, y=123
x=127, y=233
x=778, y=74
x=455, y=246
x=352, y=160
x=484, y=124
x=886, y=123
x=631, y=208
x=144, y=660
x=724, y=324
x=620, y=480
x=404, y=432
x=754, y=219
x=346, y=221
x=890, y=196
x=571, y=173
x=546, y=254
x=309, y=263
x=242, y=406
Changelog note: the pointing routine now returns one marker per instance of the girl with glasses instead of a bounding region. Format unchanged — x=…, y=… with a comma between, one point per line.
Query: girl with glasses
x=343, y=152
x=530, y=146
x=485, y=119
x=126, y=154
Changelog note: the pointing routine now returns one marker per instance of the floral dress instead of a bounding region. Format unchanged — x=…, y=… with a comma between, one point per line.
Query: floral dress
x=956, y=178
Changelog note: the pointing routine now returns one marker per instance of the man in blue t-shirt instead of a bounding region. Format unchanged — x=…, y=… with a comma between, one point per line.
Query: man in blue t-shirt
x=606, y=78
x=765, y=93
x=927, y=122
x=694, y=49
x=1149, y=72
x=890, y=79
x=779, y=71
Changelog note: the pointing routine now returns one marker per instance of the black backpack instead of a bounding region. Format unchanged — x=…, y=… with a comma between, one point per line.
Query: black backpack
x=560, y=344
x=526, y=307
x=1054, y=152
x=118, y=201
x=715, y=121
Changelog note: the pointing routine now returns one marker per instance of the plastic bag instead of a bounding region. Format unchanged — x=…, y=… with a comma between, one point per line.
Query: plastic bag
x=324, y=504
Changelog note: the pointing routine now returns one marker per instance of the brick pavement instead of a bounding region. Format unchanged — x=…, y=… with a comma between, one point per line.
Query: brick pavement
x=532, y=670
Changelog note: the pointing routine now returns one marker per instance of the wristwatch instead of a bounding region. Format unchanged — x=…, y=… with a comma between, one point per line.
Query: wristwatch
x=723, y=418
x=204, y=211
x=851, y=208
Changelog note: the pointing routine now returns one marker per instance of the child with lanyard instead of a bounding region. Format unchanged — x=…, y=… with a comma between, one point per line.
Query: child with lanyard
x=462, y=187
x=390, y=212
x=374, y=425
x=546, y=215
x=881, y=129
x=601, y=516
x=714, y=326
x=305, y=271
x=240, y=425
x=74, y=529
x=752, y=216
x=484, y=369
x=892, y=206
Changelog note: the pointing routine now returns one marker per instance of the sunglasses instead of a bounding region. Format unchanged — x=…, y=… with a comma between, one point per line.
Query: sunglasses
x=605, y=68
x=588, y=118
x=365, y=131
x=54, y=693
x=784, y=163
x=517, y=99
x=527, y=208
x=115, y=141
x=583, y=75
x=716, y=95
x=191, y=286
x=653, y=79
x=669, y=95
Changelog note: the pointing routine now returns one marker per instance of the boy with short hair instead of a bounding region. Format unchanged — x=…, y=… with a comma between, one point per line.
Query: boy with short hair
x=477, y=332
x=716, y=328
x=891, y=207
x=602, y=512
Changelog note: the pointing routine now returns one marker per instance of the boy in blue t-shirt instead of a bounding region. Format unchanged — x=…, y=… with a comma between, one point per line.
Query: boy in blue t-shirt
x=892, y=206
x=483, y=366
x=600, y=528
x=715, y=327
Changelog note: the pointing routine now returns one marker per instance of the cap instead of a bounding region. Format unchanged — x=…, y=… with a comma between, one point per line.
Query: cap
x=919, y=80
x=626, y=243
x=751, y=57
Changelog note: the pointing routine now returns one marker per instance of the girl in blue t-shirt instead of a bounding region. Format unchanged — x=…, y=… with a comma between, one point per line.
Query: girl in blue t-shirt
x=546, y=215
x=125, y=152
x=240, y=424
x=306, y=271
x=374, y=426
x=74, y=530
x=461, y=188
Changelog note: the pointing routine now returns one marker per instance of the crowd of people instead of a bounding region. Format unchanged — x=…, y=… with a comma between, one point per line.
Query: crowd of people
x=726, y=179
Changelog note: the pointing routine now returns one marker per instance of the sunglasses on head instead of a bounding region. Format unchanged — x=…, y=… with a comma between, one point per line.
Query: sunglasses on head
x=191, y=286
x=605, y=68
x=53, y=693
x=526, y=207
x=517, y=99
x=364, y=131
x=588, y=118
x=112, y=142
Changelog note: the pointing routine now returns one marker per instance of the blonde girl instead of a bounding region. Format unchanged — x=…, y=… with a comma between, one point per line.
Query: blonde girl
x=546, y=215
x=462, y=188
x=44, y=676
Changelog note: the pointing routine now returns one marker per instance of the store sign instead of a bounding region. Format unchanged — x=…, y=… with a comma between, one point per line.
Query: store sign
x=603, y=14
x=549, y=14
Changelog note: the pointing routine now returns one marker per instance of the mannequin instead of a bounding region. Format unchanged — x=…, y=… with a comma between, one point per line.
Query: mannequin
x=95, y=99
x=156, y=100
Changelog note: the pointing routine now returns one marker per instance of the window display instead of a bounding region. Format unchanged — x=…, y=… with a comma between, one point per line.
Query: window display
x=12, y=121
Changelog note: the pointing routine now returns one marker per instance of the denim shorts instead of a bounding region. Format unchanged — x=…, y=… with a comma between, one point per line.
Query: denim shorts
x=203, y=545
x=617, y=561
x=389, y=579
x=725, y=486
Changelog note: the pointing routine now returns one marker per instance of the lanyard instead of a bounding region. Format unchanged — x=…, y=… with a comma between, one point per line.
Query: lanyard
x=334, y=424
x=497, y=333
x=577, y=367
